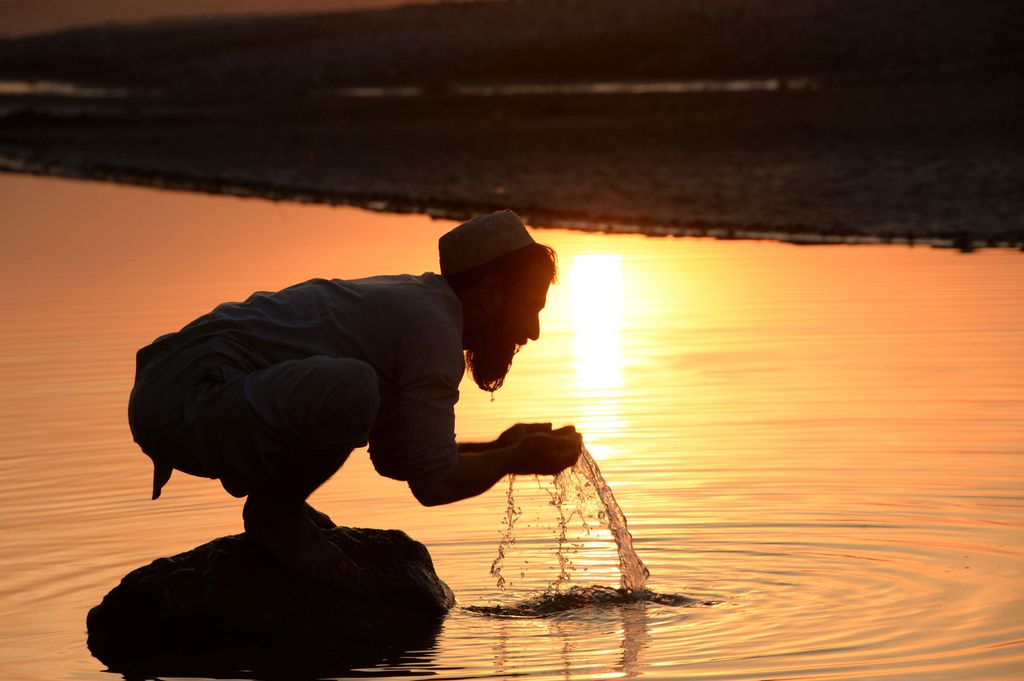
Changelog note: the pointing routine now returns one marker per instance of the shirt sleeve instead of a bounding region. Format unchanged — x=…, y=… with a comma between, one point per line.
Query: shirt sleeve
x=414, y=439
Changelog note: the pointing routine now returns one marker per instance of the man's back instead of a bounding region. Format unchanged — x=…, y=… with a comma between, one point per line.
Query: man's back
x=406, y=328
x=370, y=319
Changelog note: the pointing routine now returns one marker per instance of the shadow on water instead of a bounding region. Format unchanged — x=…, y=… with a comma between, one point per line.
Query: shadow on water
x=294, y=661
x=600, y=610
x=579, y=597
x=396, y=656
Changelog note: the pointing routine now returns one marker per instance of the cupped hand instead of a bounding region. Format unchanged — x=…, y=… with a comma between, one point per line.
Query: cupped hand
x=516, y=433
x=549, y=452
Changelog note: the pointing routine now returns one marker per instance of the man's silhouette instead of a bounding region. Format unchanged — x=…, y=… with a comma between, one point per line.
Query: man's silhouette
x=272, y=394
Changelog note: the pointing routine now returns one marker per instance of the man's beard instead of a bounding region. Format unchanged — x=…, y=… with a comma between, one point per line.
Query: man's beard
x=490, y=360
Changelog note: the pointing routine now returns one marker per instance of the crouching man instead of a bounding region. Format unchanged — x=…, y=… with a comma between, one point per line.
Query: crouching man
x=271, y=395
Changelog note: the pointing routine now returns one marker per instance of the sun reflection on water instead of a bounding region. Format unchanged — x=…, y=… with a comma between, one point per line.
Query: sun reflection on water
x=596, y=289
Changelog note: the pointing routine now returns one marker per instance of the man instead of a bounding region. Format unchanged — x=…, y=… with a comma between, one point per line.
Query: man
x=271, y=395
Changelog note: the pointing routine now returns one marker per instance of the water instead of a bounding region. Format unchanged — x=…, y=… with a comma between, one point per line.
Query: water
x=586, y=475
x=578, y=597
x=583, y=88
x=580, y=495
x=820, y=447
x=33, y=88
x=61, y=89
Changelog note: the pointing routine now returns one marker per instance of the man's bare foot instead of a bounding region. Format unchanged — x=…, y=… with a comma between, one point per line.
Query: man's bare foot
x=286, y=531
x=319, y=518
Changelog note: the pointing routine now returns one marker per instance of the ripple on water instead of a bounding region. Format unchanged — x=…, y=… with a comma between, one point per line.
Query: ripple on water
x=825, y=442
x=578, y=597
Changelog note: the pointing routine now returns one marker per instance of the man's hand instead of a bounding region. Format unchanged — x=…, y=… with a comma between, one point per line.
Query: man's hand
x=542, y=451
x=516, y=433
x=525, y=449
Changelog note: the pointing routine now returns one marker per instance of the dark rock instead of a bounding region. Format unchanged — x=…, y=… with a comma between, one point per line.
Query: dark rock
x=223, y=602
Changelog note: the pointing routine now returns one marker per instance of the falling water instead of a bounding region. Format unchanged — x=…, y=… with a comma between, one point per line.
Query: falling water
x=581, y=493
x=585, y=479
x=512, y=513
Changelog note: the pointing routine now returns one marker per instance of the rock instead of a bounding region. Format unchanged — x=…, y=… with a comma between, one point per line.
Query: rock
x=220, y=603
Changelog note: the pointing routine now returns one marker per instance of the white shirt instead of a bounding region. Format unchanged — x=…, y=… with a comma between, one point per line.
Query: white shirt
x=407, y=328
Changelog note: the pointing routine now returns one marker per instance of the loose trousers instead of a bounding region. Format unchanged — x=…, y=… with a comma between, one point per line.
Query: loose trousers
x=218, y=421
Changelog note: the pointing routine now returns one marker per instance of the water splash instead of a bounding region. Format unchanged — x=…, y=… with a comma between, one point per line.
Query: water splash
x=586, y=476
x=579, y=493
x=512, y=513
x=576, y=597
x=584, y=502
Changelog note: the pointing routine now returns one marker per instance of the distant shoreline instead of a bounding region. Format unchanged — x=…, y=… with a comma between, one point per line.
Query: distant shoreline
x=811, y=121
x=937, y=164
x=542, y=219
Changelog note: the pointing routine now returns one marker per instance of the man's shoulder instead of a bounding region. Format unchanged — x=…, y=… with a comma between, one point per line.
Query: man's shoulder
x=398, y=282
x=414, y=296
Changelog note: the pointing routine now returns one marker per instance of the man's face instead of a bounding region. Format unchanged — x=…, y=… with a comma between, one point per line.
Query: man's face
x=514, y=323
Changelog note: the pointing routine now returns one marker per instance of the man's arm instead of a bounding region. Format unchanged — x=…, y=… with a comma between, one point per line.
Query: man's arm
x=510, y=437
x=524, y=449
x=471, y=447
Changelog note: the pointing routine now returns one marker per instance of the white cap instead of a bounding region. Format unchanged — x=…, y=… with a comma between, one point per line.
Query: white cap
x=481, y=240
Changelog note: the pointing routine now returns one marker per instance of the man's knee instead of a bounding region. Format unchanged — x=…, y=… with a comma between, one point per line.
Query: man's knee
x=317, y=402
x=356, y=398
x=350, y=402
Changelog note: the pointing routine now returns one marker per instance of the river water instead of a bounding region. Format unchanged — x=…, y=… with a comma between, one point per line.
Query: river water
x=820, y=447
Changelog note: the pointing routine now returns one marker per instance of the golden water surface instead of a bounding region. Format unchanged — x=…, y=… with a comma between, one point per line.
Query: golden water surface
x=827, y=442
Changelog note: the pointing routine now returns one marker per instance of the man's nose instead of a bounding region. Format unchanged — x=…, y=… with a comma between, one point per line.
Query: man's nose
x=534, y=331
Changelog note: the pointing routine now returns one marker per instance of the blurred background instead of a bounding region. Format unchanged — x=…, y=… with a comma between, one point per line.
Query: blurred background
x=822, y=120
x=789, y=318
